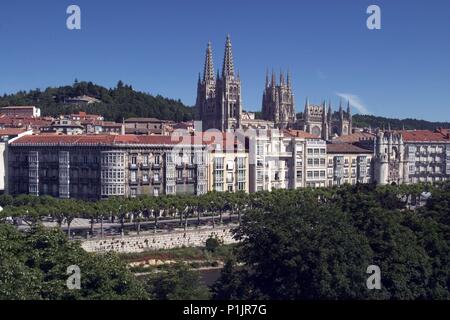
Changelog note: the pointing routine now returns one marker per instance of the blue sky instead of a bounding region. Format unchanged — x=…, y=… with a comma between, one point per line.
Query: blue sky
x=402, y=70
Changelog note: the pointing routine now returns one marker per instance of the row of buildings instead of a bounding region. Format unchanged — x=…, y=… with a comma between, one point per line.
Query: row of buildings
x=29, y=117
x=85, y=157
x=101, y=166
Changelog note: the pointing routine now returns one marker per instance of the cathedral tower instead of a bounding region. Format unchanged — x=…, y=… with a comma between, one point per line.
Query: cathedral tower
x=206, y=92
x=228, y=96
x=219, y=102
x=278, y=102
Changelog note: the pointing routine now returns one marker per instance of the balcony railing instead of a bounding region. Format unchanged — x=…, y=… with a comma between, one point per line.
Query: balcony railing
x=134, y=181
x=133, y=166
x=145, y=166
x=156, y=166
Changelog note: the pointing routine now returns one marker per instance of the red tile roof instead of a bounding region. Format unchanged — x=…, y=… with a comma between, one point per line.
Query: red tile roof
x=346, y=148
x=226, y=140
x=300, y=134
x=103, y=140
x=424, y=135
x=356, y=137
x=12, y=131
x=18, y=122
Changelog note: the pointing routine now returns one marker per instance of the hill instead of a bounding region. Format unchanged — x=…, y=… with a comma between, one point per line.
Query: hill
x=365, y=121
x=116, y=103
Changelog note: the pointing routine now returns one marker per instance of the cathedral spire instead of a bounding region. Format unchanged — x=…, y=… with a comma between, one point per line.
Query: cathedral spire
x=349, y=110
x=306, y=113
x=228, y=65
x=208, y=73
x=289, y=80
x=281, y=78
x=267, y=78
x=274, y=82
x=330, y=114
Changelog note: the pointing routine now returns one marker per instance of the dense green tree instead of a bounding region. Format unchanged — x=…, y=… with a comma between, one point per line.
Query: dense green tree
x=178, y=283
x=116, y=103
x=34, y=265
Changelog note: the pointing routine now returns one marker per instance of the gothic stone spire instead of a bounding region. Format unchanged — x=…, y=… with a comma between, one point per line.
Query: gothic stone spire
x=209, y=64
x=228, y=65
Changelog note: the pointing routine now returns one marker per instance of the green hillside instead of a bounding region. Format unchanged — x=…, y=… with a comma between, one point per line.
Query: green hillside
x=117, y=103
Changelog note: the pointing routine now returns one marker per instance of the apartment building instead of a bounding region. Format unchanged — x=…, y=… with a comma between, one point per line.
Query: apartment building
x=348, y=164
x=287, y=159
x=427, y=155
x=229, y=168
x=95, y=167
x=412, y=156
x=21, y=111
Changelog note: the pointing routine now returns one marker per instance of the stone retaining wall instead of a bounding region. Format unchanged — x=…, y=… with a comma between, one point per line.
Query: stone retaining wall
x=129, y=244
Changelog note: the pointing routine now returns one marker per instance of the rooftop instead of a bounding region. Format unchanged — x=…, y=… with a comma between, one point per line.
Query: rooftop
x=18, y=107
x=11, y=131
x=41, y=140
x=425, y=135
x=356, y=137
x=346, y=148
x=144, y=120
x=300, y=134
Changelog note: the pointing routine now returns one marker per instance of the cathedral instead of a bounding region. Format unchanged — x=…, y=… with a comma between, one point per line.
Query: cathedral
x=321, y=122
x=219, y=102
x=278, y=102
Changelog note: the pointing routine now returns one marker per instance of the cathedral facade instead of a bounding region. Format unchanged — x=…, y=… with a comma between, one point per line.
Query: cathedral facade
x=219, y=101
x=278, y=102
x=322, y=122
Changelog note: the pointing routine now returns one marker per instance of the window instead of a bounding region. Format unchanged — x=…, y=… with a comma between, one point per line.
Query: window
x=218, y=163
x=241, y=163
x=230, y=165
x=259, y=149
